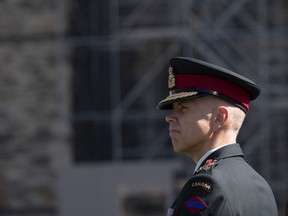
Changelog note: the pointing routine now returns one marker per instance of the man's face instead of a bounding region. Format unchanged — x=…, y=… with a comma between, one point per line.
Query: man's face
x=190, y=124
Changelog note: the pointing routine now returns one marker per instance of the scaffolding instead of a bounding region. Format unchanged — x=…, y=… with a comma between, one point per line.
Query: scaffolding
x=244, y=36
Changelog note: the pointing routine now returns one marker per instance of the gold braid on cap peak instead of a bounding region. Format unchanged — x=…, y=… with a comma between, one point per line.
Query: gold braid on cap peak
x=178, y=95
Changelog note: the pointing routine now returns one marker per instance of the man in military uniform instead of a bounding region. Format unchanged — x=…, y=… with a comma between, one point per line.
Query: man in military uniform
x=208, y=106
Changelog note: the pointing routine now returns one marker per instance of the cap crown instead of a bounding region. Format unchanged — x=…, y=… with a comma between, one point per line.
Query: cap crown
x=190, y=78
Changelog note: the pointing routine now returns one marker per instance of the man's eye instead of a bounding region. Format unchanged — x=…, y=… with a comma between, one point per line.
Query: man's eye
x=184, y=107
x=181, y=107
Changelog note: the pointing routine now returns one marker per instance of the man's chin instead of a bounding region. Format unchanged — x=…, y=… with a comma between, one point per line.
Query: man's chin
x=177, y=148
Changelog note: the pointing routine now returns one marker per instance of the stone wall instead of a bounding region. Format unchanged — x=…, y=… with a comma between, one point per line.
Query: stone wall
x=34, y=104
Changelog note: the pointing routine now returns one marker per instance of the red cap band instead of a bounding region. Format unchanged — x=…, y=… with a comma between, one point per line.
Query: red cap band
x=222, y=86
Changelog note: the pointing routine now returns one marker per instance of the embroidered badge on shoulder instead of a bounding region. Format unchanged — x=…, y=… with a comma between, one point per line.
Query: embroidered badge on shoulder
x=195, y=204
x=208, y=165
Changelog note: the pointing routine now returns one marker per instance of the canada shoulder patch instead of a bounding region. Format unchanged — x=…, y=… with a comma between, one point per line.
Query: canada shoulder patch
x=204, y=185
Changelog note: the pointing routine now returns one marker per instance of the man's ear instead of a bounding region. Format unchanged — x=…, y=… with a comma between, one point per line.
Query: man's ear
x=220, y=118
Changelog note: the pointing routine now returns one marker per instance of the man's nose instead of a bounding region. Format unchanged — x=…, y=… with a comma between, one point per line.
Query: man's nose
x=171, y=117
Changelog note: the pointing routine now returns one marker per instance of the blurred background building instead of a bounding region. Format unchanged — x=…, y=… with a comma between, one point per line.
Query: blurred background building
x=79, y=82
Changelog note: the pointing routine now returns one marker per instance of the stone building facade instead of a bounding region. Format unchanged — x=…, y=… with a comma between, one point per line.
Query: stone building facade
x=34, y=104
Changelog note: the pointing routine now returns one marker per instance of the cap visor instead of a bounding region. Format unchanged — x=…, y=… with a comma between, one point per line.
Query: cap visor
x=167, y=103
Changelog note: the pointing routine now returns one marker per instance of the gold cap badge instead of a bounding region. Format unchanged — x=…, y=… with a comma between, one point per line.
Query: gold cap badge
x=171, y=78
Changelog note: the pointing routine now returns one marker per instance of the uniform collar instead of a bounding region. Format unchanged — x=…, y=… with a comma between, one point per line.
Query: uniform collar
x=224, y=151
